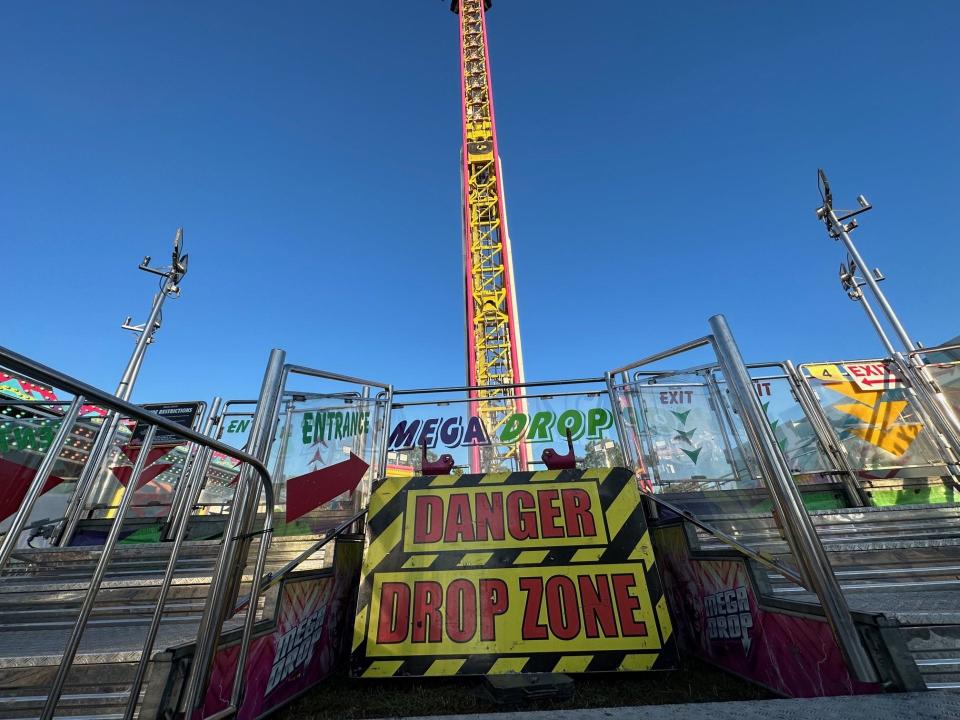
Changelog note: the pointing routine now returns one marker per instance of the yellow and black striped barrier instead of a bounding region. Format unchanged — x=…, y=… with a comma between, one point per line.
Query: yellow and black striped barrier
x=510, y=572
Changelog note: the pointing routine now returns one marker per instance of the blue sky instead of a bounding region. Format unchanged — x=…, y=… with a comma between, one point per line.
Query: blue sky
x=660, y=161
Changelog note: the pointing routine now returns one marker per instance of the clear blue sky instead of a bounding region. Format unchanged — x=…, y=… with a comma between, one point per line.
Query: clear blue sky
x=660, y=163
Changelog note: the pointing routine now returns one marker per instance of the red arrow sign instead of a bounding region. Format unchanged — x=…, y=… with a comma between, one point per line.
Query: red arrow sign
x=310, y=491
x=17, y=479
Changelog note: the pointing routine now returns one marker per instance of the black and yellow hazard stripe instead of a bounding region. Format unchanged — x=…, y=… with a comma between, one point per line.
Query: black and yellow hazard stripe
x=628, y=543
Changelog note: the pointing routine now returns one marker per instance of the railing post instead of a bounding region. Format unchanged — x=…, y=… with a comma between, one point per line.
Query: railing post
x=823, y=431
x=86, y=607
x=92, y=470
x=385, y=439
x=182, y=506
x=233, y=555
x=800, y=534
x=725, y=420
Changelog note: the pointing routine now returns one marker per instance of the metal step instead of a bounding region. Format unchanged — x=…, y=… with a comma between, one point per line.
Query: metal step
x=86, y=705
x=93, y=690
x=40, y=598
x=856, y=525
x=901, y=561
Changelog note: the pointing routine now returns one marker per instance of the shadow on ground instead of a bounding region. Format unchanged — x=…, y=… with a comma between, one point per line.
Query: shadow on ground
x=342, y=697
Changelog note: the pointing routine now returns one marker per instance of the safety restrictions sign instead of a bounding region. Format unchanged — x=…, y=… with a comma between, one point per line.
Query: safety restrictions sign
x=873, y=375
x=510, y=572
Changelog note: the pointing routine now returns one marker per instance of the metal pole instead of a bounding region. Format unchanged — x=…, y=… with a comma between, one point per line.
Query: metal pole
x=92, y=469
x=825, y=435
x=643, y=431
x=181, y=511
x=385, y=439
x=130, y=372
x=86, y=607
x=724, y=417
x=925, y=398
x=359, y=447
x=800, y=533
x=98, y=453
x=617, y=410
x=232, y=559
x=39, y=480
x=841, y=231
x=875, y=321
x=938, y=406
x=278, y=476
x=191, y=456
x=724, y=421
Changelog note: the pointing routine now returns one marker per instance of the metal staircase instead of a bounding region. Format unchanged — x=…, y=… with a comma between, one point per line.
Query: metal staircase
x=40, y=597
x=901, y=563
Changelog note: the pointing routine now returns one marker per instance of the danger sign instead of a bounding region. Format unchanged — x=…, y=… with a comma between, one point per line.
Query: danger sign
x=589, y=610
x=872, y=376
x=510, y=572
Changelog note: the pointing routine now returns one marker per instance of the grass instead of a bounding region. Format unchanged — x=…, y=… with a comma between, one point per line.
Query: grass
x=341, y=697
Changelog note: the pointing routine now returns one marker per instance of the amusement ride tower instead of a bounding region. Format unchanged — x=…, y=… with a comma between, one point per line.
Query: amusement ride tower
x=494, y=356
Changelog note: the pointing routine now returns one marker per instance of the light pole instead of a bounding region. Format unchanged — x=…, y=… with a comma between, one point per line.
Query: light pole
x=929, y=399
x=169, y=287
x=853, y=285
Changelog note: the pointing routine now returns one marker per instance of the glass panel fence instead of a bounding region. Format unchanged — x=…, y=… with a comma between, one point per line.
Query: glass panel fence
x=886, y=442
x=879, y=428
x=822, y=479
x=946, y=374
x=688, y=443
x=694, y=455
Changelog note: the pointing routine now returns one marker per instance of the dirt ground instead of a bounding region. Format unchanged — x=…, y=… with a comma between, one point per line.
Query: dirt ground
x=342, y=697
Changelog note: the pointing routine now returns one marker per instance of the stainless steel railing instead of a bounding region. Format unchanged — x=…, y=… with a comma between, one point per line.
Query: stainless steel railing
x=253, y=483
x=801, y=537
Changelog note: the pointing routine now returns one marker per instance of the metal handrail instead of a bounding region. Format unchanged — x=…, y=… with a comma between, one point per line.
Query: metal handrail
x=324, y=374
x=543, y=396
x=79, y=389
x=21, y=363
x=936, y=348
x=799, y=531
x=761, y=557
x=271, y=579
x=499, y=386
x=676, y=350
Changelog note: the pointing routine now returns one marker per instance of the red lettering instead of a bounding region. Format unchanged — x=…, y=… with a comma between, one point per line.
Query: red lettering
x=531, y=628
x=490, y=516
x=461, y=611
x=427, y=621
x=857, y=370
x=459, y=520
x=576, y=512
x=494, y=600
x=597, y=606
x=547, y=500
x=563, y=610
x=427, y=517
x=521, y=516
x=394, y=613
x=627, y=605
